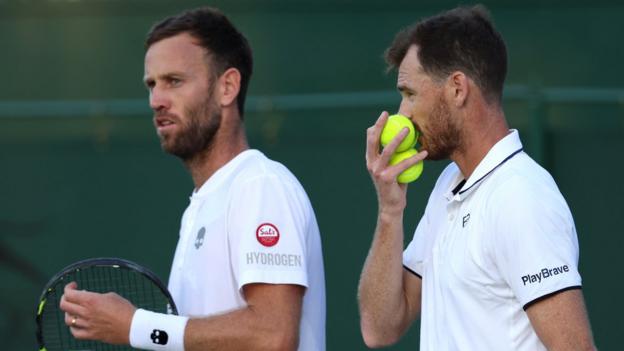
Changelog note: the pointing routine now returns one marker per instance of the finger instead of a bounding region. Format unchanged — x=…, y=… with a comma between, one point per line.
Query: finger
x=72, y=308
x=72, y=294
x=71, y=286
x=70, y=290
x=74, y=321
x=372, y=137
x=80, y=333
x=389, y=150
x=381, y=120
x=408, y=162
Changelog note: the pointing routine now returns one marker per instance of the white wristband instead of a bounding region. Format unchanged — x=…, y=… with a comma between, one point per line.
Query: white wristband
x=157, y=331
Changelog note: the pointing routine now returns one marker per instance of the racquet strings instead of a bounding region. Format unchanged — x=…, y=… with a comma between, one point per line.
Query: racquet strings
x=130, y=284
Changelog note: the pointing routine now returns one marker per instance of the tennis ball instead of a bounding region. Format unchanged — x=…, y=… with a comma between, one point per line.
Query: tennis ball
x=394, y=125
x=413, y=172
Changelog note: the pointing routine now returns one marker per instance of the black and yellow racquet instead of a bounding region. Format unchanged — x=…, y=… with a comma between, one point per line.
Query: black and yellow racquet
x=135, y=283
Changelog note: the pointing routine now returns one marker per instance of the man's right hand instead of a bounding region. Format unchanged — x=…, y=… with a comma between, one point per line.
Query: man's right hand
x=388, y=296
x=391, y=195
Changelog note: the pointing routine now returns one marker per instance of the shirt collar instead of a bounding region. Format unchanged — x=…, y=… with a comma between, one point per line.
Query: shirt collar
x=500, y=153
x=223, y=173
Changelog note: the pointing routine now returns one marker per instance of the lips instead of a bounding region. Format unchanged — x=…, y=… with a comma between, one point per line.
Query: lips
x=164, y=123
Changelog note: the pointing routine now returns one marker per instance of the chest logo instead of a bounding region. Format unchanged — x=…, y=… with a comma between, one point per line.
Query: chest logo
x=199, y=240
x=267, y=234
x=465, y=220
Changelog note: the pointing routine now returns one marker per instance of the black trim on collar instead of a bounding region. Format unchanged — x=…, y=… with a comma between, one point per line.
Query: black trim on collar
x=492, y=170
x=459, y=186
x=411, y=271
x=530, y=303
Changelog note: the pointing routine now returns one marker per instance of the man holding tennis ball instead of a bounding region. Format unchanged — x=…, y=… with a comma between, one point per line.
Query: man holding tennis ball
x=493, y=262
x=405, y=149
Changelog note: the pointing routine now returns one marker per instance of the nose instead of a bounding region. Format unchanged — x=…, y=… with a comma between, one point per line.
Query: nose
x=159, y=99
x=404, y=109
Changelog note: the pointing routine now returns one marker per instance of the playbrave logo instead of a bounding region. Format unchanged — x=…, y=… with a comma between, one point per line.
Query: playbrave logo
x=543, y=274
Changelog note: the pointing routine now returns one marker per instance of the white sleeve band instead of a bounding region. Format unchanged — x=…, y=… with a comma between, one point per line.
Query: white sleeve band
x=157, y=331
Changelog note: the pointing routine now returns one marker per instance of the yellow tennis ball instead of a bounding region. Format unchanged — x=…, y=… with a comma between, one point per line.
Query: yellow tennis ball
x=394, y=125
x=413, y=172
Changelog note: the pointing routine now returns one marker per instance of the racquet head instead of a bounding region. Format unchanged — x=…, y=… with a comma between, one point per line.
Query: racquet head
x=135, y=283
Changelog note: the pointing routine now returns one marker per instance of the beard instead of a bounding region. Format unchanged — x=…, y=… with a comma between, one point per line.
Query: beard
x=442, y=136
x=196, y=135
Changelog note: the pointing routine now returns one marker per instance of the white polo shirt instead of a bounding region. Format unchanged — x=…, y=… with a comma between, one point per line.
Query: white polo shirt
x=251, y=222
x=488, y=248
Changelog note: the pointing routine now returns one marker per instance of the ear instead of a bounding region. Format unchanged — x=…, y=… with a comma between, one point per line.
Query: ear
x=229, y=84
x=458, y=88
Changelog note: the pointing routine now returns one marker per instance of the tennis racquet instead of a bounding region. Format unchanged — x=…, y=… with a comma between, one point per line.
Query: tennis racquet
x=133, y=282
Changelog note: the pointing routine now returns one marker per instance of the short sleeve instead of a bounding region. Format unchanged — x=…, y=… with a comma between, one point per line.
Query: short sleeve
x=418, y=251
x=535, y=243
x=267, y=224
x=415, y=253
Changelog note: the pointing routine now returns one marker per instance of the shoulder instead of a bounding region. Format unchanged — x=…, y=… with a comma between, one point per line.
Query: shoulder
x=522, y=181
x=260, y=175
x=523, y=194
x=258, y=167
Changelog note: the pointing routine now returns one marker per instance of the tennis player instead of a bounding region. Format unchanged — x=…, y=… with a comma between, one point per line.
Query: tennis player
x=248, y=269
x=493, y=262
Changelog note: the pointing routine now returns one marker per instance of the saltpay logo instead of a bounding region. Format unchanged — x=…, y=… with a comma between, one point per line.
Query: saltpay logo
x=543, y=274
x=267, y=234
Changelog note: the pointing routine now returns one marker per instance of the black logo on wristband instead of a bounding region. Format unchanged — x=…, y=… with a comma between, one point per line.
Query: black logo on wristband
x=159, y=337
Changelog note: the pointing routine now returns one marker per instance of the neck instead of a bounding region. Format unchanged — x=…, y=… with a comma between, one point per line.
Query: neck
x=228, y=142
x=482, y=130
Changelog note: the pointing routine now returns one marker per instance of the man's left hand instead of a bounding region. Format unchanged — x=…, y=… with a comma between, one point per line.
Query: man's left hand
x=92, y=316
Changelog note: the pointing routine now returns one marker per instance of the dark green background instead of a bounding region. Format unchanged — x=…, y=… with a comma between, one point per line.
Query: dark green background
x=82, y=174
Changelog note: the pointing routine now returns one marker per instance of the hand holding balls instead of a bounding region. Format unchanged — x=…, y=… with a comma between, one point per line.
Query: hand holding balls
x=413, y=172
x=405, y=149
x=394, y=125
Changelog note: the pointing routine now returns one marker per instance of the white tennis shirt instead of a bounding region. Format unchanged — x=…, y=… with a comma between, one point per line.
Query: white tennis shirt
x=488, y=248
x=251, y=222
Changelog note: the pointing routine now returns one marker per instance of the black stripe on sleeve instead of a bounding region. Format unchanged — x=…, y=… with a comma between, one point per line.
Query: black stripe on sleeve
x=530, y=303
x=411, y=271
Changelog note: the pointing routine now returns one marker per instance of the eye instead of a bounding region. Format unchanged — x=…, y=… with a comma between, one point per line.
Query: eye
x=408, y=95
x=174, y=82
x=149, y=84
